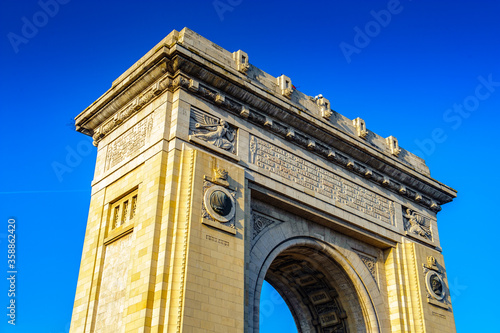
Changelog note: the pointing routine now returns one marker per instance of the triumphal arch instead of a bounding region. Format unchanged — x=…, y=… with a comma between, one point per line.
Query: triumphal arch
x=213, y=176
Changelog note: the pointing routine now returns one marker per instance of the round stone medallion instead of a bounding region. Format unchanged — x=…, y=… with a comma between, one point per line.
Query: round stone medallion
x=435, y=285
x=219, y=203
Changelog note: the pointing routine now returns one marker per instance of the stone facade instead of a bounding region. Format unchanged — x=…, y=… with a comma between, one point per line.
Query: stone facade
x=213, y=176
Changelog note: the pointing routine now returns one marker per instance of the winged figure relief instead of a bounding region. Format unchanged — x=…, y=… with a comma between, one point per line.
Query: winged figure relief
x=212, y=130
x=417, y=224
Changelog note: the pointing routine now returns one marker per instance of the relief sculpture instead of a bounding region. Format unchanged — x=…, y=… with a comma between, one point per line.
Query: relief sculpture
x=417, y=224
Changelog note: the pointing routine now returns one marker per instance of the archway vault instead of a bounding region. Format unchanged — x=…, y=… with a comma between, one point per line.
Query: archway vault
x=320, y=286
x=308, y=282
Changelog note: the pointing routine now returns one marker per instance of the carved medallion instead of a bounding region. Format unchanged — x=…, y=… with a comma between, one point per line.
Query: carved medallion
x=435, y=285
x=219, y=204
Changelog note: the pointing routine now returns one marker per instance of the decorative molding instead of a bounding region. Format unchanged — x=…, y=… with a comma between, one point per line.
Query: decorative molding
x=370, y=263
x=182, y=277
x=412, y=272
x=261, y=222
x=217, y=192
x=434, y=282
x=319, y=148
x=179, y=63
x=244, y=111
x=131, y=109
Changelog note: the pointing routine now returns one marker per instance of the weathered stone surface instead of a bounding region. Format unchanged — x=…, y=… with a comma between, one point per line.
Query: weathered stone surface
x=213, y=176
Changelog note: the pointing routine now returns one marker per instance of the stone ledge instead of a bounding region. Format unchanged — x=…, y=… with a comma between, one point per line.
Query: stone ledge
x=118, y=233
x=220, y=226
x=438, y=304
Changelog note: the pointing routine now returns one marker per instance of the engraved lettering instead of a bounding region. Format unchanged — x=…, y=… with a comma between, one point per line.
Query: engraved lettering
x=295, y=169
x=129, y=143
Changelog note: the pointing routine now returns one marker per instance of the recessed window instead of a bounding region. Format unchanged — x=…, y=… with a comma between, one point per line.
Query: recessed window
x=116, y=214
x=134, y=206
x=124, y=210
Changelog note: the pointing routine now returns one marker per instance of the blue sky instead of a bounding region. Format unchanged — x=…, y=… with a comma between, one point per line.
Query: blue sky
x=428, y=74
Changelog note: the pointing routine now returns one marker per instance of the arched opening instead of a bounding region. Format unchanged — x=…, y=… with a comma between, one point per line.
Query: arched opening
x=318, y=292
x=275, y=316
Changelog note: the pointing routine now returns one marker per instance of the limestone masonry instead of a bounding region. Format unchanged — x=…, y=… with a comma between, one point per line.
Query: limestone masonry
x=213, y=176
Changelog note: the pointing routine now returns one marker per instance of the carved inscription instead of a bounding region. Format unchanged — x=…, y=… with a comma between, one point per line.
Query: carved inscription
x=340, y=190
x=217, y=240
x=129, y=143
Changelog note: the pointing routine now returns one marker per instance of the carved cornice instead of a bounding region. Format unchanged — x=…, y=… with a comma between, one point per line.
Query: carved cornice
x=123, y=91
x=132, y=108
x=175, y=67
x=265, y=112
x=302, y=140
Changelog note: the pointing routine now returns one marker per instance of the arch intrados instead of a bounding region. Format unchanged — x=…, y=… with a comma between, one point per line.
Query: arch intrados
x=322, y=249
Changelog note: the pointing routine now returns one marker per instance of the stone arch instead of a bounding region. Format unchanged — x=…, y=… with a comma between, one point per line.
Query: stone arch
x=315, y=250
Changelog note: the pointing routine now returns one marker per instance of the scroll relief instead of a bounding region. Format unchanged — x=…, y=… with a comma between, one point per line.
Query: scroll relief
x=417, y=224
x=336, y=189
x=212, y=130
x=129, y=143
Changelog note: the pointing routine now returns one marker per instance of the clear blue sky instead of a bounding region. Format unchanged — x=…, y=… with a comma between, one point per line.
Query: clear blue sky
x=407, y=78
